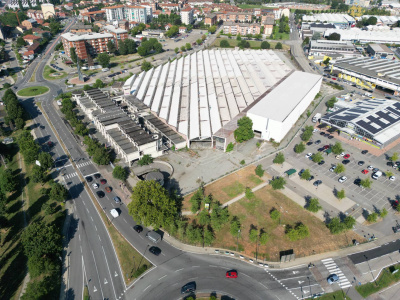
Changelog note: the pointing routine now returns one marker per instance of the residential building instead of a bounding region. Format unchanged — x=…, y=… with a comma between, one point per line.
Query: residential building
x=380, y=50
x=28, y=24
x=140, y=14
x=210, y=19
x=242, y=29
x=182, y=29
x=29, y=55
x=92, y=16
x=48, y=10
x=35, y=14
x=115, y=12
x=118, y=33
x=187, y=16
x=30, y=38
x=14, y=4
x=268, y=26
x=86, y=44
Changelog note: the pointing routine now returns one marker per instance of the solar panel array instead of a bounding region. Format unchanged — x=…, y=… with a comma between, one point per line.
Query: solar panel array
x=200, y=93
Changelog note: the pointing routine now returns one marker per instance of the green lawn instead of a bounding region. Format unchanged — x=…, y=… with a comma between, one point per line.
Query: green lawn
x=246, y=6
x=338, y=295
x=385, y=279
x=48, y=70
x=234, y=189
x=33, y=91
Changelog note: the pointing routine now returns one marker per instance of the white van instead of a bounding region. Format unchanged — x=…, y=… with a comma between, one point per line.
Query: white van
x=105, y=69
x=153, y=236
x=376, y=175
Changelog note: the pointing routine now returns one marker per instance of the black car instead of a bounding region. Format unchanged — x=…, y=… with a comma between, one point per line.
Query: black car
x=311, y=178
x=389, y=164
x=188, y=288
x=364, y=152
x=322, y=133
x=309, y=143
x=321, y=149
x=321, y=162
x=330, y=137
x=301, y=172
x=155, y=250
x=97, y=176
x=317, y=182
x=345, y=162
x=317, y=142
x=361, y=163
x=100, y=194
x=357, y=181
x=89, y=179
x=138, y=228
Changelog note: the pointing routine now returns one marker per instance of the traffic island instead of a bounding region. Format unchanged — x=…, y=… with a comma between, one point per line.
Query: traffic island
x=33, y=91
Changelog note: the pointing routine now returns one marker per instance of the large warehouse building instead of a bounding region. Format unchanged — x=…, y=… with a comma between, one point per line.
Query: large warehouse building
x=376, y=121
x=371, y=73
x=202, y=95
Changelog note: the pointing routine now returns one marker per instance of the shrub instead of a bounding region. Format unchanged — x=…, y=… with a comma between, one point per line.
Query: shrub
x=372, y=218
x=313, y=205
x=259, y=171
x=145, y=160
x=275, y=214
x=230, y=147
x=249, y=193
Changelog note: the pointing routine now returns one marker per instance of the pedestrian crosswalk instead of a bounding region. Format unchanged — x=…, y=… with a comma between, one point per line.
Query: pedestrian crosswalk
x=68, y=176
x=334, y=269
x=86, y=163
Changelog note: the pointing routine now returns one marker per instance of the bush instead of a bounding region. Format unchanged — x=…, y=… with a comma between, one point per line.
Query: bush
x=242, y=162
x=278, y=46
x=372, y=218
x=275, y=214
x=224, y=44
x=265, y=45
x=145, y=160
x=140, y=271
x=230, y=147
x=259, y=171
x=313, y=205
x=249, y=193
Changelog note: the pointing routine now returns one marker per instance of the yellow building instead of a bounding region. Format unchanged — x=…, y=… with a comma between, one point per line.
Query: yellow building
x=48, y=11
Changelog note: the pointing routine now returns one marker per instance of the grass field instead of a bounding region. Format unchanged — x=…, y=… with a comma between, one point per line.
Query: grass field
x=48, y=70
x=385, y=279
x=338, y=295
x=33, y=91
x=253, y=44
x=247, y=6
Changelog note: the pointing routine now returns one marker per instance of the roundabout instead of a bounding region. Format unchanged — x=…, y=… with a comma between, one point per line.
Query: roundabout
x=33, y=91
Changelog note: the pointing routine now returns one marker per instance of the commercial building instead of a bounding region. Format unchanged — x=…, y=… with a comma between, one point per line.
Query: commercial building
x=187, y=16
x=375, y=121
x=362, y=3
x=327, y=47
x=380, y=50
x=86, y=44
x=35, y=14
x=374, y=34
x=370, y=73
x=340, y=20
x=201, y=96
x=317, y=27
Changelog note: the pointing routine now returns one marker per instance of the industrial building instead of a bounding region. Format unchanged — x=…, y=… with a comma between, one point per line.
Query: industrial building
x=202, y=95
x=128, y=125
x=375, y=121
x=327, y=47
x=380, y=50
x=370, y=73
x=340, y=20
x=374, y=34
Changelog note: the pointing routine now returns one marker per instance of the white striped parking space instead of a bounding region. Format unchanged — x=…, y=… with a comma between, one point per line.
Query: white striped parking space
x=333, y=268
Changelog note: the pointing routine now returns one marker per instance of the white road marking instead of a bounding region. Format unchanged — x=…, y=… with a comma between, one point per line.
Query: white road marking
x=179, y=270
x=146, y=288
x=163, y=277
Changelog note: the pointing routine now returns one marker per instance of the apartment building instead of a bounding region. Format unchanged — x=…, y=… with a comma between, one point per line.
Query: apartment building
x=187, y=16
x=119, y=34
x=86, y=44
x=14, y=4
x=242, y=29
x=35, y=14
x=210, y=19
x=140, y=14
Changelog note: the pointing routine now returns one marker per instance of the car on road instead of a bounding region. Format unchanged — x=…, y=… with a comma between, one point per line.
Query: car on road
x=100, y=194
x=317, y=142
x=97, y=176
x=89, y=179
x=332, y=168
x=232, y=274
x=364, y=152
x=117, y=199
x=321, y=162
x=155, y=250
x=188, y=288
x=332, y=278
x=365, y=171
x=308, y=155
x=301, y=172
x=342, y=179
x=95, y=185
x=103, y=181
x=370, y=168
x=392, y=178
x=138, y=228
x=63, y=172
x=361, y=163
x=317, y=182
x=108, y=189
x=347, y=156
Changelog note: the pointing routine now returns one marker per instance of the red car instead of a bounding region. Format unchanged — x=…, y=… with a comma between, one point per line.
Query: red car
x=108, y=189
x=365, y=171
x=326, y=147
x=103, y=181
x=347, y=156
x=231, y=274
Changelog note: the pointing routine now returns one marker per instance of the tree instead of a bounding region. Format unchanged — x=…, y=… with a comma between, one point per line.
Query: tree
x=389, y=174
x=279, y=158
x=331, y=102
x=334, y=37
x=366, y=183
x=265, y=45
x=142, y=51
x=58, y=192
x=19, y=123
x=383, y=213
x=253, y=235
x=306, y=174
x=394, y=157
x=299, y=148
x=81, y=129
x=101, y=156
x=259, y=171
x=340, y=194
x=278, y=183
x=146, y=66
x=306, y=41
x=337, y=148
x=224, y=43
x=219, y=216
x=204, y=218
x=183, y=48
x=8, y=182
x=199, y=41
x=111, y=47
x=307, y=133
x=263, y=238
x=258, y=37
x=188, y=46
x=196, y=200
x=340, y=168
x=145, y=160
x=278, y=46
x=99, y=84
x=46, y=160
x=152, y=205
x=73, y=55
x=349, y=222
x=38, y=174
x=103, y=59
x=243, y=44
x=120, y=173
x=275, y=214
x=96, y=28
x=208, y=237
x=20, y=42
x=335, y=226
x=313, y=205
x=299, y=231
x=244, y=132
x=317, y=157
x=212, y=29
x=235, y=226
x=372, y=20
x=176, y=50
x=372, y=218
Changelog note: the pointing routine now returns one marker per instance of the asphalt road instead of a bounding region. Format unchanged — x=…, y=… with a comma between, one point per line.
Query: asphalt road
x=361, y=257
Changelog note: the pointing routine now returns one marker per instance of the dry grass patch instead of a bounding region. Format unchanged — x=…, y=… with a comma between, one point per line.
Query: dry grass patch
x=256, y=213
x=230, y=186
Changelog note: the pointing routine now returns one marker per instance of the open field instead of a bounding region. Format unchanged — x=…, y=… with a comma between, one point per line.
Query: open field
x=48, y=70
x=33, y=91
x=253, y=44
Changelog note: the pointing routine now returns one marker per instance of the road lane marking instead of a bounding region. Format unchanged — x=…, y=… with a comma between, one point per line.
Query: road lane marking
x=95, y=227
x=195, y=266
x=163, y=277
x=179, y=270
x=146, y=288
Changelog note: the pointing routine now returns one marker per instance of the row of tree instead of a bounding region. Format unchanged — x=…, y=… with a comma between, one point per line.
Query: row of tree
x=14, y=112
x=68, y=110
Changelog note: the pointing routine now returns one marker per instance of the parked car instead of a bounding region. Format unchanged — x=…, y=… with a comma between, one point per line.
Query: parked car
x=311, y=178
x=370, y=168
x=97, y=176
x=317, y=182
x=345, y=162
x=155, y=250
x=321, y=162
x=347, y=156
x=364, y=152
x=361, y=163
x=308, y=155
x=392, y=178
x=301, y=172
x=317, y=142
x=89, y=179
x=103, y=181
x=95, y=185
x=365, y=172
x=332, y=168
x=342, y=179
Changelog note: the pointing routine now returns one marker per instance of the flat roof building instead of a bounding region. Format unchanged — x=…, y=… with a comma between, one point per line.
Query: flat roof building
x=327, y=47
x=380, y=50
x=379, y=35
